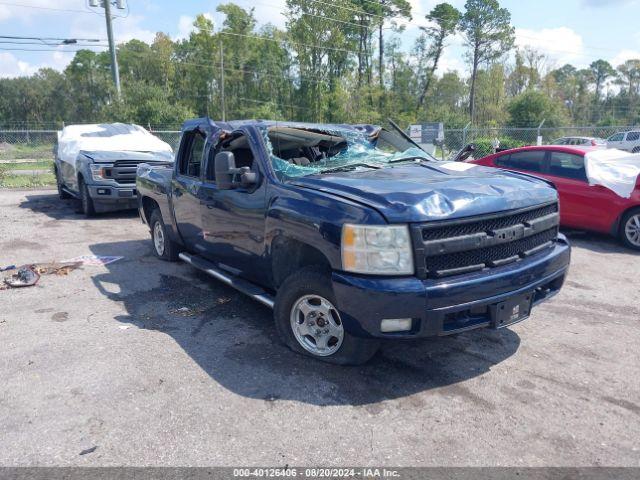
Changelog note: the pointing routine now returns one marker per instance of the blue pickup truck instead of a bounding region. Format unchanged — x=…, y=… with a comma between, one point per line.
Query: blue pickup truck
x=352, y=234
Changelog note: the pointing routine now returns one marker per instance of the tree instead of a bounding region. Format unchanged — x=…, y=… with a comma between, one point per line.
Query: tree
x=531, y=107
x=488, y=34
x=446, y=18
x=390, y=9
x=601, y=71
x=629, y=77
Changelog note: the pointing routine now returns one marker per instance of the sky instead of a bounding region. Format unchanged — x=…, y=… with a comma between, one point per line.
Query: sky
x=567, y=31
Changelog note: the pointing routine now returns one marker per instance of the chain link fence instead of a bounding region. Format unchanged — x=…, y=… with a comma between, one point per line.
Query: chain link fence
x=511, y=137
x=27, y=152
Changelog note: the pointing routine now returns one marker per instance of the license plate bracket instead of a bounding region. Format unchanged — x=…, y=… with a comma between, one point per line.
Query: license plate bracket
x=512, y=310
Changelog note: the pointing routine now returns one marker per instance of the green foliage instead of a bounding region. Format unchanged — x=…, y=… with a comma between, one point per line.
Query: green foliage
x=328, y=65
x=484, y=145
x=532, y=107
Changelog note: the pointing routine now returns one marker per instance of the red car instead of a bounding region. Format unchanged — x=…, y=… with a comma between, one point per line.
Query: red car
x=582, y=206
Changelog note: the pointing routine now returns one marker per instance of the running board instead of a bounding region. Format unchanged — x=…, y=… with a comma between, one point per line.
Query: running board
x=248, y=288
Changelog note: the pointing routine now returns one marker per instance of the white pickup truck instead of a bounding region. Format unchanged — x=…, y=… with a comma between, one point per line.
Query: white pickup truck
x=629, y=141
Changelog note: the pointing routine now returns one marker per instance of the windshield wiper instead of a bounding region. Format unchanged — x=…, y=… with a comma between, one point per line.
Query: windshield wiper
x=350, y=166
x=406, y=159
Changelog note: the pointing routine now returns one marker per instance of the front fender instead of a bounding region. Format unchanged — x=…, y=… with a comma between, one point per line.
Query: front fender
x=313, y=218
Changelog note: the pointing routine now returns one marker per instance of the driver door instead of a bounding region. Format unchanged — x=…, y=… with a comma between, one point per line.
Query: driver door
x=233, y=221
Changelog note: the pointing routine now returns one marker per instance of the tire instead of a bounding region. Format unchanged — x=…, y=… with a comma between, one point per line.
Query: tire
x=310, y=288
x=62, y=193
x=164, y=248
x=86, y=202
x=635, y=150
x=630, y=229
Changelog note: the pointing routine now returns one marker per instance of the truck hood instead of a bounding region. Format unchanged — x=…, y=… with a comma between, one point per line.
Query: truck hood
x=434, y=190
x=110, y=156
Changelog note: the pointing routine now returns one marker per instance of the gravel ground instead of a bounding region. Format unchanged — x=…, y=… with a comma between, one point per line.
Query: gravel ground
x=143, y=362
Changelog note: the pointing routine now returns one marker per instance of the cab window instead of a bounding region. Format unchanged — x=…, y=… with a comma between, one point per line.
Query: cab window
x=191, y=153
x=528, y=160
x=567, y=165
x=618, y=137
x=632, y=136
x=238, y=144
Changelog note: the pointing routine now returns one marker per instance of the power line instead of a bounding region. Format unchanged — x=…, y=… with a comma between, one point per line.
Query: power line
x=38, y=7
x=49, y=49
x=12, y=37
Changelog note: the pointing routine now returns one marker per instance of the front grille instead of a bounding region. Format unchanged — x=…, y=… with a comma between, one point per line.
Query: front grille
x=124, y=171
x=455, y=247
x=470, y=226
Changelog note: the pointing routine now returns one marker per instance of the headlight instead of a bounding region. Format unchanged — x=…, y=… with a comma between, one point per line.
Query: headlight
x=377, y=250
x=98, y=171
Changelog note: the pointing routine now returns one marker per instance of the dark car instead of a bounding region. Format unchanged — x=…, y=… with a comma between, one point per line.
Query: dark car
x=353, y=234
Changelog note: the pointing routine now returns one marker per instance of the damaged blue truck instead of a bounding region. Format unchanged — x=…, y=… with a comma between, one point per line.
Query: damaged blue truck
x=352, y=234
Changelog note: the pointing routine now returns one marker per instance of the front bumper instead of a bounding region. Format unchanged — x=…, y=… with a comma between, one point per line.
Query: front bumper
x=109, y=198
x=446, y=306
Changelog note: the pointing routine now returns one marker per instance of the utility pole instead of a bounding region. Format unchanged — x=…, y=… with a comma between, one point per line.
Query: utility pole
x=106, y=4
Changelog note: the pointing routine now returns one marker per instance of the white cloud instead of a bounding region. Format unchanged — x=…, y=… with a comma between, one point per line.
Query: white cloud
x=623, y=56
x=185, y=25
x=562, y=44
x=5, y=13
x=10, y=66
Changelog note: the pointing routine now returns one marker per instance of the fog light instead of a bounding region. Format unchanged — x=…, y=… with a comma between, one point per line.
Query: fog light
x=395, y=325
x=103, y=191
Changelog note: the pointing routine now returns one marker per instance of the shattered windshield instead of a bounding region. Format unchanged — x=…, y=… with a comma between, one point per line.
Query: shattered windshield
x=297, y=152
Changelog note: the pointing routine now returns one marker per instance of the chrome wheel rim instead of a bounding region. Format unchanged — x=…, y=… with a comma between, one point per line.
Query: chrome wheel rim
x=158, y=238
x=632, y=230
x=317, y=326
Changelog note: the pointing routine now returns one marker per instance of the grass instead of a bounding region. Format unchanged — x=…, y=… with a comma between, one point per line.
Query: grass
x=36, y=151
x=39, y=165
x=26, y=181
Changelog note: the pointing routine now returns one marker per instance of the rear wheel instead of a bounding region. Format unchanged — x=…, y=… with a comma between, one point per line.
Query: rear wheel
x=62, y=193
x=309, y=323
x=630, y=229
x=163, y=246
x=86, y=202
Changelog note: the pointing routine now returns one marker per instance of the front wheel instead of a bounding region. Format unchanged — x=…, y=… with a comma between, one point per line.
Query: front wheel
x=630, y=229
x=309, y=323
x=86, y=202
x=163, y=246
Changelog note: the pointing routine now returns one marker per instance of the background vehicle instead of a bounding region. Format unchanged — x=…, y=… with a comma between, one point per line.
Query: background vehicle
x=352, y=234
x=581, y=141
x=628, y=141
x=97, y=163
x=582, y=206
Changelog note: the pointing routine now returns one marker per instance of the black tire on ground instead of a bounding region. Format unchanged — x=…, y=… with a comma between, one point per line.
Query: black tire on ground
x=315, y=281
x=163, y=246
x=62, y=193
x=635, y=150
x=86, y=202
x=628, y=225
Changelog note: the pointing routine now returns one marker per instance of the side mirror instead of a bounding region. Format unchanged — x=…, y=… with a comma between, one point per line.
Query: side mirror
x=226, y=170
x=225, y=166
x=465, y=153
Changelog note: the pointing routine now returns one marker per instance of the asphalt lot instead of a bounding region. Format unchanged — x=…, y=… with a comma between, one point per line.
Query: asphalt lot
x=153, y=363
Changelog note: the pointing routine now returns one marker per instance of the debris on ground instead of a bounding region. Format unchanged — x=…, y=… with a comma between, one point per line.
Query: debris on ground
x=29, y=274
x=89, y=450
x=55, y=268
x=23, y=277
x=96, y=260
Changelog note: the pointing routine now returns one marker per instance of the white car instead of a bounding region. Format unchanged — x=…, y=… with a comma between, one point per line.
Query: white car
x=582, y=141
x=629, y=141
